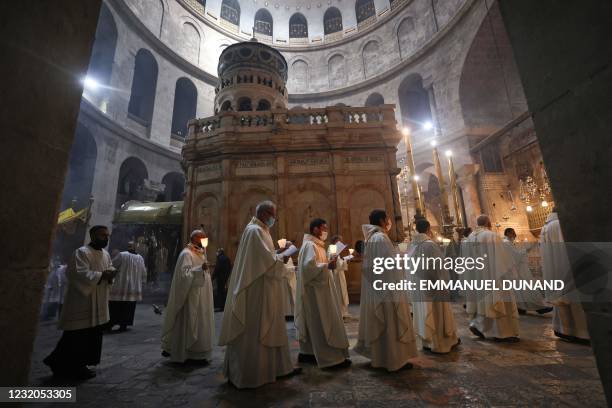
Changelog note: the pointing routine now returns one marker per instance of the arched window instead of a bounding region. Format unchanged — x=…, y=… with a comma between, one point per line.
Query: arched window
x=103, y=52
x=375, y=99
x=364, y=9
x=226, y=107
x=299, y=75
x=371, y=58
x=185, y=102
x=144, y=83
x=230, y=11
x=337, y=71
x=263, y=22
x=132, y=176
x=406, y=37
x=298, y=26
x=244, y=104
x=332, y=21
x=174, y=186
x=263, y=105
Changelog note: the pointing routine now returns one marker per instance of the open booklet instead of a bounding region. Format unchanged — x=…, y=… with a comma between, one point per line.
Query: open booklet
x=289, y=251
x=340, y=246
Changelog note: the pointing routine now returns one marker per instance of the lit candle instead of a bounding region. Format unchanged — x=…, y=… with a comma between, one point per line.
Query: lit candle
x=333, y=249
x=282, y=242
x=204, y=242
x=351, y=250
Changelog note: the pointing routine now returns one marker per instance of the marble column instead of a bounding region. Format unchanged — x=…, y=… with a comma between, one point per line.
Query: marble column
x=466, y=180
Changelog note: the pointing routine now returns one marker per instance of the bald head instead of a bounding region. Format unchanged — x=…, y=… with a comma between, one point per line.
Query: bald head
x=196, y=237
x=266, y=210
x=483, y=221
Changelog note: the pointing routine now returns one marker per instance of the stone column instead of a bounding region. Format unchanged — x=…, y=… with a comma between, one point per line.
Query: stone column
x=45, y=52
x=466, y=180
x=567, y=78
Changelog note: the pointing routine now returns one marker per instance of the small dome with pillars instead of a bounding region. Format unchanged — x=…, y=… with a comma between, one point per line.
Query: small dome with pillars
x=252, y=76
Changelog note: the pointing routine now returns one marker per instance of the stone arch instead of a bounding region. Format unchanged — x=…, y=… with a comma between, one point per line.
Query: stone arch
x=298, y=26
x=131, y=181
x=103, y=51
x=263, y=105
x=370, y=55
x=185, y=105
x=490, y=90
x=226, y=106
x=364, y=198
x=244, y=104
x=332, y=21
x=414, y=102
x=144, y=84
x=264, y=24
x=308, y=200
x=300, y=77
x=406, y=37
x=375, y=99
x=336, y=66
x=174, y=186
x=189, y=42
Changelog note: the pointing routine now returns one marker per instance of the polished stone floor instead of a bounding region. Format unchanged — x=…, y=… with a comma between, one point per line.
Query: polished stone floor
x=538, y=371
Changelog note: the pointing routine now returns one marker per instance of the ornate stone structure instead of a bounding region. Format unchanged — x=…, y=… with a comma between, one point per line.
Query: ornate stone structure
x=337, y=163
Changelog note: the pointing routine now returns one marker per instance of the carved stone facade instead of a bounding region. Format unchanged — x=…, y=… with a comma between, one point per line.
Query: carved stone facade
x=337, y=163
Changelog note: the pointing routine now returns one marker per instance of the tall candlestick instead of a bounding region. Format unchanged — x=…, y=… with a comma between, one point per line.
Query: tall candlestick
x=446, y=217
x=454, y=190
x=419, y=206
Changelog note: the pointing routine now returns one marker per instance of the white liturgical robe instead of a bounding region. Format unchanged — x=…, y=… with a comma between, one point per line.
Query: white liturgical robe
x=525, y=299
x=86, y=301
x=433, y=319
x=568, y=316
x=492, y=312
x=254, y=328
x=339, y=274
x=318, y=319
x=386, y=334
x=189, y=325
x=131, y=274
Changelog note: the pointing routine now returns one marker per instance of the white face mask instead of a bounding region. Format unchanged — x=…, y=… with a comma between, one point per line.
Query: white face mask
x=323, y=236
x=270, y=222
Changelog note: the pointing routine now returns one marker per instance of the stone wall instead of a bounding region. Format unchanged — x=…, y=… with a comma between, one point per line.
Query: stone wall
x=41, y=70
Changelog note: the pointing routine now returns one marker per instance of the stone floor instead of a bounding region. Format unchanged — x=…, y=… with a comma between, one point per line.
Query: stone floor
x=538, y=371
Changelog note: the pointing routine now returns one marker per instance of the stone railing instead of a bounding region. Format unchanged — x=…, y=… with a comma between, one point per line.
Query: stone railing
x=339, y=116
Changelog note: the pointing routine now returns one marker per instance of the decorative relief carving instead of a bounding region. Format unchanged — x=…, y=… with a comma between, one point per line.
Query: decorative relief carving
x=308, y=165
x=254, y=167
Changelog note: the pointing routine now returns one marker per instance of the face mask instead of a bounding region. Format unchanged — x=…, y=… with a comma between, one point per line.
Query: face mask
x=388, y=226
x=270, y=222
x=99, y=243
x=323, y=235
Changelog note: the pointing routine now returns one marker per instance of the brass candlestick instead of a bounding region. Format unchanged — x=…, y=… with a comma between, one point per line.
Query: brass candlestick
x=418, y=198
x=447, y=221
x=454, y=189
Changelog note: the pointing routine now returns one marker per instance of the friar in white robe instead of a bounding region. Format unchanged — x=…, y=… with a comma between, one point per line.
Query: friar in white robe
x=339, y=273
x=318, y=318
x=188, y=330
x=493, y=313
x=434, y=320
x=126, y=289
x=526, y=299
x=386, y=334
x=85, y=311
x=253, y=327
x=569, y=320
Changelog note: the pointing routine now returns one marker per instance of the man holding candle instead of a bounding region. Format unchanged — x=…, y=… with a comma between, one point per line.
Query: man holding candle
x=318, y=318
x=253, y=327
x=189, y=327
x=339, y=274
x=386, y=335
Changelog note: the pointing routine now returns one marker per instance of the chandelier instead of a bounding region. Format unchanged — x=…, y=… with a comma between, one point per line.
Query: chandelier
x=530, y=192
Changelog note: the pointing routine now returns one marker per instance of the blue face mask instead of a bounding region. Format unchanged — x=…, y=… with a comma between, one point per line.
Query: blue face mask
x=270, y=222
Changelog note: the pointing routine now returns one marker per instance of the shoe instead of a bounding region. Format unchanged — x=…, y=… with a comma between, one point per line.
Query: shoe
x=544, y=310
x=164, y=353
x=477, y=332
x=83, y=373
x=346, y=363
x=307, y=358
x=521, y=311
x=506, y=339
x=295, y=371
